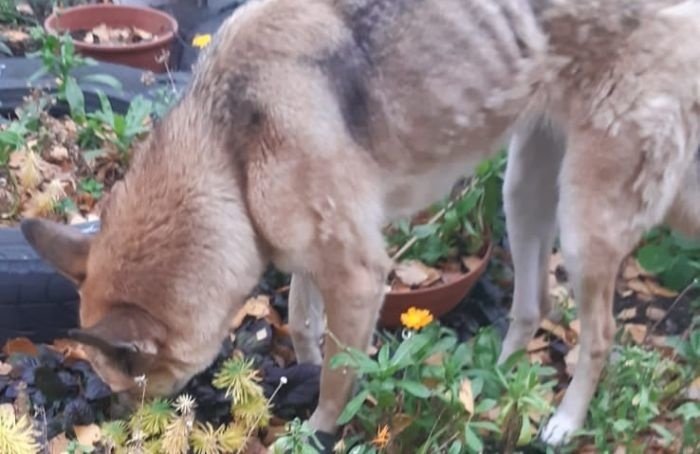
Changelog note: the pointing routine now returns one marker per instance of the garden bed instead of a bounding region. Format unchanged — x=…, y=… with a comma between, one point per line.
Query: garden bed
x=430, y=385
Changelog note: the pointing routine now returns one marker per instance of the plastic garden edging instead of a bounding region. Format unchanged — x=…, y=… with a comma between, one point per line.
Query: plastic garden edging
x=35, y=301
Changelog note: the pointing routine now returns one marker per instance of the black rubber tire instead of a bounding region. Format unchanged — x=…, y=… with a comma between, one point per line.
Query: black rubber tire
x=35, y=301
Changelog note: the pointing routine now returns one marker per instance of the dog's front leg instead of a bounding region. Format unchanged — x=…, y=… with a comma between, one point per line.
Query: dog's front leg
x=306, y=318
x=353, y=292
x=530, y=199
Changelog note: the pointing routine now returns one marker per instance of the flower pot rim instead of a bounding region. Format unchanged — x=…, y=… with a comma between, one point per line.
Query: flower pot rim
x=484, y=257
x=159, y=40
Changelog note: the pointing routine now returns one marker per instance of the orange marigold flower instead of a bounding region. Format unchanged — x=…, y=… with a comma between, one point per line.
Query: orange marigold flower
x=416, y=319
x=382, y=438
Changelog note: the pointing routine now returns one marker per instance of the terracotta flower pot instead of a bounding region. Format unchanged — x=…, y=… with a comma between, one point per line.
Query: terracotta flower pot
x=438, y=299
x=139, y=55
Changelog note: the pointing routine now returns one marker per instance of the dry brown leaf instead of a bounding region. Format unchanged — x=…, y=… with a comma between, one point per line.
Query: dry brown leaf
x=636, y=332
x=255, y=446
x=627, y=314
x=415, y=273
x=466, y=395
x=258, y=307
x=555, y=329
x=693, y=391
x=655, y=313
x=658, y=290
x=143, y=34
x=14, y=36
x=20, y=345
x=471, y=263
x=5, y=368
x=59, y=153
x=571, y=359
x=59, y=444
x=88, y=435
x=399, y=423
x=639, y=287
x=102, y=33
x=70, y=349
x=435, y=359
x=29, y=174
x=537, y=343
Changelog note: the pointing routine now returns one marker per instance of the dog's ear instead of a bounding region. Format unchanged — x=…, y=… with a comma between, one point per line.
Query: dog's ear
x=128, y=336
x=64, y=247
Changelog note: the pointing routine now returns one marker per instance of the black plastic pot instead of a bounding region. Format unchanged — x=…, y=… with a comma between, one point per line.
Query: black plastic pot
x=35, y=301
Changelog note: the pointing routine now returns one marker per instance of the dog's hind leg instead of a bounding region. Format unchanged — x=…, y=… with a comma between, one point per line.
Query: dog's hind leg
x=306, y=321
x=530, y=199
x=612, y=190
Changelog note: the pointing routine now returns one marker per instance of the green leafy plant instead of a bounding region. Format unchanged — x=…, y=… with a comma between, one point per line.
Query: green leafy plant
x=59, y=59
x=429, y=393
x=675, y=259
x=120, y=130
x=464, y=227
x=298, y=438
x=92, y=187
x=630, y=397
x=13, y=136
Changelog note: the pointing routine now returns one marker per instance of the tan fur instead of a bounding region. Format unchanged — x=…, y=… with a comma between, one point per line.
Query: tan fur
x=310, y=124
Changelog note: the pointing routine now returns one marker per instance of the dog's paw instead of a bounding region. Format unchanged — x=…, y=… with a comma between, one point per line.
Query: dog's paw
x=558, y=430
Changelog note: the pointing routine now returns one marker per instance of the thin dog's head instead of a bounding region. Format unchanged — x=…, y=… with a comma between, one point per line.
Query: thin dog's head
x=175, y=257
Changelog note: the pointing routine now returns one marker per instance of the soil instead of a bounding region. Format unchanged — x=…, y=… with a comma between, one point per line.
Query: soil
x=102, y=34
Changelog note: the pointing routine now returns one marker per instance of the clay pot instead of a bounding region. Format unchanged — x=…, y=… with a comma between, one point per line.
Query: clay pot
x=142, y=55
x=438, y=299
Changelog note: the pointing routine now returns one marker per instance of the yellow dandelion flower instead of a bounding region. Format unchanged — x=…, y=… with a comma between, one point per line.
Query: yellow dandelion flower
x=201, y=41
x=382, y=438
x=416, y=319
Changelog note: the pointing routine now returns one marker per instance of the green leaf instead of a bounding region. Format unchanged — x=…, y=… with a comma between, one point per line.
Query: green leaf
x=414, y=388
x=472, y=439
x=352, y=408
x=104, y=79
x=654, y=258
x=455, y=448
x=74, y=97
x=425, y=230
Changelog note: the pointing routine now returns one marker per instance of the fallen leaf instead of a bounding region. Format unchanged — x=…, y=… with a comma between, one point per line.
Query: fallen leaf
x=258, y=307
x=571, y=359
x=633, y=270
x=639, y=286
x=5, y=368
x=466, y=396
x=655, y=314
x=627, y=314
x=555, y=329
x=540, y=357
x=59, y=153
x=59, y=444
x=414, y=273
x=435, y=359
x=636, y=332
x=693, y=391
x=88, y=435
x=102, y=33
x=658, y=290
x=70, y=350
x=20, y=345
x=537, y=343
x=400, y=422
x=143, y=34
x=471, y=263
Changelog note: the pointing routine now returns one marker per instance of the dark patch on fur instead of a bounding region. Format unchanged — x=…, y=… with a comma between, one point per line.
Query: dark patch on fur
x=366, y=19
x=348, y=72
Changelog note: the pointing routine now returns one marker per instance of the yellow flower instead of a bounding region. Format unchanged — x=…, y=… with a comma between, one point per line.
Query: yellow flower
x=201, y=41
x=416, y=319
x=382, y=438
